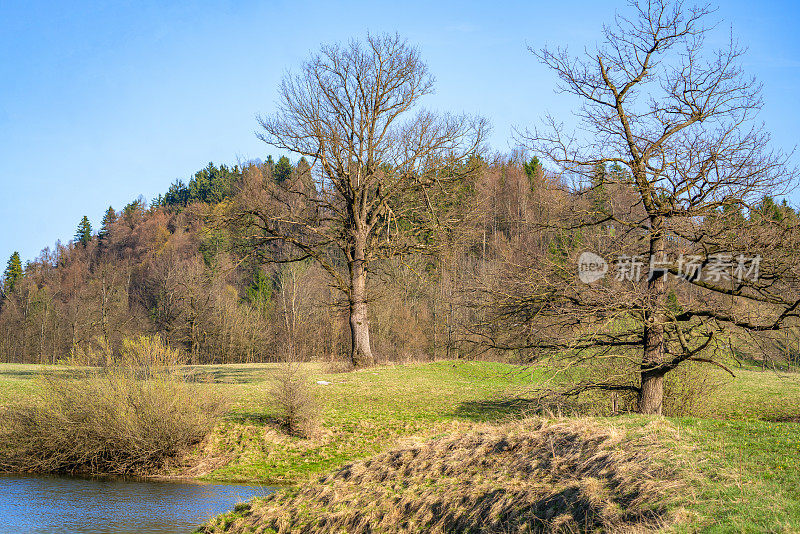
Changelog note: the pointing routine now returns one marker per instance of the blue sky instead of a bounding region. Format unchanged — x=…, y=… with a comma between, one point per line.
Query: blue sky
x=101, y=102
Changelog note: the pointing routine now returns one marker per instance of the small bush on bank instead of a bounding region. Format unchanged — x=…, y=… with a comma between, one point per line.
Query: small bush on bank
x=136, y=416
x=294, y=401
x=688, y=388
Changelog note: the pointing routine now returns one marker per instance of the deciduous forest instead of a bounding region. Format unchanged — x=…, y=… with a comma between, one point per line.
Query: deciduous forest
x=181, y=266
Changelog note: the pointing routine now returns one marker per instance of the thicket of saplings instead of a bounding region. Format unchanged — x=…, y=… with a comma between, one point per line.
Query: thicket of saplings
x=136, y=415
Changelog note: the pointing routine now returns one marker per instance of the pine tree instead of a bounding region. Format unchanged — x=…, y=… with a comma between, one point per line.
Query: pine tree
x=270, y=163
x=598, y=194
x=109, y=219
x=283, y=169
x=533, y=170
x=259, y=294
x=12, y=274
x=177, y=195
x=212, y=184
x=84, y=233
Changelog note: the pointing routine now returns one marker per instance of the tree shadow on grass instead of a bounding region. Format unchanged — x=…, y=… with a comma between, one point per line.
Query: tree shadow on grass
x=20, y=374
x=254, y=418
x=192, y=373
x=548, y=404
x=783, y=419
x=259, y=419
x=30, y=374
x=226, y=376
x=498, y=409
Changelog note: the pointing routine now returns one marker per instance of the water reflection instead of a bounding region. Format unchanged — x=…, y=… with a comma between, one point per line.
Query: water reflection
x=42, y=505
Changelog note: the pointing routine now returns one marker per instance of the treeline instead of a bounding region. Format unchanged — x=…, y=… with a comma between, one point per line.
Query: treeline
x=177, y=267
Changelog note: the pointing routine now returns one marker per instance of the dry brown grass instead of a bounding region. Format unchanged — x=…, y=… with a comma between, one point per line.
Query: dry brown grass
x=137, y=416
x=530, y=476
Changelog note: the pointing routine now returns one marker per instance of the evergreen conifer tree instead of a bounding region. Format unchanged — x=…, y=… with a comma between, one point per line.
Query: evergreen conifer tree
x=84, y=232
x=283, y=169
x=533, y=170
x=109, y=219
x=12, y=274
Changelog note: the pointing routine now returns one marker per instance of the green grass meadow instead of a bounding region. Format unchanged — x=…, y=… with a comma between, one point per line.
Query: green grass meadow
x=743, y=455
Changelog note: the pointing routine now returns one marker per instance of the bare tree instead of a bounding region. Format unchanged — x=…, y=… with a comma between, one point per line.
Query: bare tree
x=350, y=110
x=689, y=169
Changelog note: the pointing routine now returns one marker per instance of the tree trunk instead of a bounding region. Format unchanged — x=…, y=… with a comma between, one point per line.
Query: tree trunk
x=360, y=353
x=651, y=392
x=194, y=343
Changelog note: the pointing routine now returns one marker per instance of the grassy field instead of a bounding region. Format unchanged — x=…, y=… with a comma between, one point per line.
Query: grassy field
x=744, y=453
x=362, y=413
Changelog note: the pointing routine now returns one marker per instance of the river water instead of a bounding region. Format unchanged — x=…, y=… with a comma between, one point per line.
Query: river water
x=46, y=505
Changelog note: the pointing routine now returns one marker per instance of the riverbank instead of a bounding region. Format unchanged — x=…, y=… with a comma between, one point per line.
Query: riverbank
x=568, y=475
x=745, y=447
x=361, y=413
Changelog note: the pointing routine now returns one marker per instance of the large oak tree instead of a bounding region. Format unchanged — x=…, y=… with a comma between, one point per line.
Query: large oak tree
x=674, y=170
x=352, y=110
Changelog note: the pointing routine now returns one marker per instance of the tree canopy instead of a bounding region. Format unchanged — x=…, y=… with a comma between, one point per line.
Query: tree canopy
x=674, y=122
x=351, y=108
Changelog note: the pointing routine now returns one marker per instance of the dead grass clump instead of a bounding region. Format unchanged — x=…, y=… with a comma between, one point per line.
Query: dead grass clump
x=529, y=476
x=137, y=416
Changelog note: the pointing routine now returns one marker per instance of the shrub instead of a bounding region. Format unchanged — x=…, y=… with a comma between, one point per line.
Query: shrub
x=137, y=416
x=293, y=400
x=98, y=355
x=688, y=387
x=149, y=354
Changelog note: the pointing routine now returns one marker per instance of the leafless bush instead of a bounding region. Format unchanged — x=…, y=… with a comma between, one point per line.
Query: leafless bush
x=137, y=416
x=688, y=389
x=100, y=353
x=294, y=401
x=588, y=390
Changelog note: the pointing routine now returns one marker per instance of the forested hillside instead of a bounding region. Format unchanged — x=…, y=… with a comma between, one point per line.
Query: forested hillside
x=179, y=266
